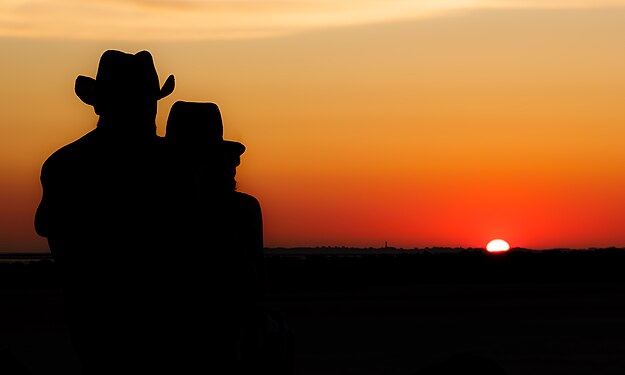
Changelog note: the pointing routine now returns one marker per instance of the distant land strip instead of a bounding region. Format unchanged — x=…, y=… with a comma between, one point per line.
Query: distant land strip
x=341, y=251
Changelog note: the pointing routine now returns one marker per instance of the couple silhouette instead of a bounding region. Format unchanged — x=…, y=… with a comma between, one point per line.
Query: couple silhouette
x=160, y=258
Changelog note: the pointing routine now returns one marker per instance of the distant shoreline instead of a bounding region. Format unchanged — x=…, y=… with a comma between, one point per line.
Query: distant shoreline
x=343, y=250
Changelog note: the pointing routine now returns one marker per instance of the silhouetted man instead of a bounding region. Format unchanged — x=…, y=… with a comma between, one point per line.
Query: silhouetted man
x=101, y=214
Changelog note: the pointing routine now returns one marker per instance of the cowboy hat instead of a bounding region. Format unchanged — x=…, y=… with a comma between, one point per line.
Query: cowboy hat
x=123, y=74
x=198, y=125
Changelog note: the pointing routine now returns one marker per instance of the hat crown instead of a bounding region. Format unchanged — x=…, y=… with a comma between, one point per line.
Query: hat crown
x=198, y=125
x=123, y=78
x=123, y=73
x=191, y=122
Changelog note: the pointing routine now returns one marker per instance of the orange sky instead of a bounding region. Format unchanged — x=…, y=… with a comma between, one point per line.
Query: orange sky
x=420, y=127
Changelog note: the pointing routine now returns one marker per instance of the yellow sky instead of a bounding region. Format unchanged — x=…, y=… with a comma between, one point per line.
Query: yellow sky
x=503, y=116
x=217, y=19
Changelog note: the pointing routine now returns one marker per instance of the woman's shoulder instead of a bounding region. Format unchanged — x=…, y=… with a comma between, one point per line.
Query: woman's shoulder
x=246, y=198
x=246, y=201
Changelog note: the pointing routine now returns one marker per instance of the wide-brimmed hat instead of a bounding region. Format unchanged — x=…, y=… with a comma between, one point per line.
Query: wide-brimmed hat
x=198, y=126
x=123, y=74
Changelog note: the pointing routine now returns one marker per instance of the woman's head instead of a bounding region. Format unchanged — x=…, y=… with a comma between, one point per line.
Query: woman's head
x=198, y=127
x=217, y=174
x=195, y=134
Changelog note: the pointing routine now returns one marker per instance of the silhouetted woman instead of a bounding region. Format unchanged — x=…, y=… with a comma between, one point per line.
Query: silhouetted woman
x=221, y=238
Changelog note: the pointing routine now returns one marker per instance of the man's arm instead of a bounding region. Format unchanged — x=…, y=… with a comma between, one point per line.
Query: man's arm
x=42, y=216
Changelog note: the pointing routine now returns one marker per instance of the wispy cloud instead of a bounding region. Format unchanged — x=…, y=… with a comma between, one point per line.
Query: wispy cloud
x=221, y=19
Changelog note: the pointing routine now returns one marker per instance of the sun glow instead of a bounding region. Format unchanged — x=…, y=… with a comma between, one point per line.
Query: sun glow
x=497, y=246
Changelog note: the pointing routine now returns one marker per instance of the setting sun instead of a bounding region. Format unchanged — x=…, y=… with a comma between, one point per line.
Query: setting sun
x=497, y=246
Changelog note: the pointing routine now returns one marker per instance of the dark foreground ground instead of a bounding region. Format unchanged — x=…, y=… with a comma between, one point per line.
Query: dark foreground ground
x=531, y=313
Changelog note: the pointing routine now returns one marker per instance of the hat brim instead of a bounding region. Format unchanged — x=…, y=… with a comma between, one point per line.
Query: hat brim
x=86, y=89
x=232, y=148
x=167, y=88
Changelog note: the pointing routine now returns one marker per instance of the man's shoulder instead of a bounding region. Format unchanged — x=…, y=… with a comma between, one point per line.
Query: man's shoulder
x=71, y=152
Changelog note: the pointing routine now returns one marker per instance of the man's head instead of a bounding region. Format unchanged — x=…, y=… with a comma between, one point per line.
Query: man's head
x=126, y=87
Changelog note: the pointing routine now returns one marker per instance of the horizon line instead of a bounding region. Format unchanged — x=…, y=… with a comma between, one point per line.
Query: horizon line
x=47, y=253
